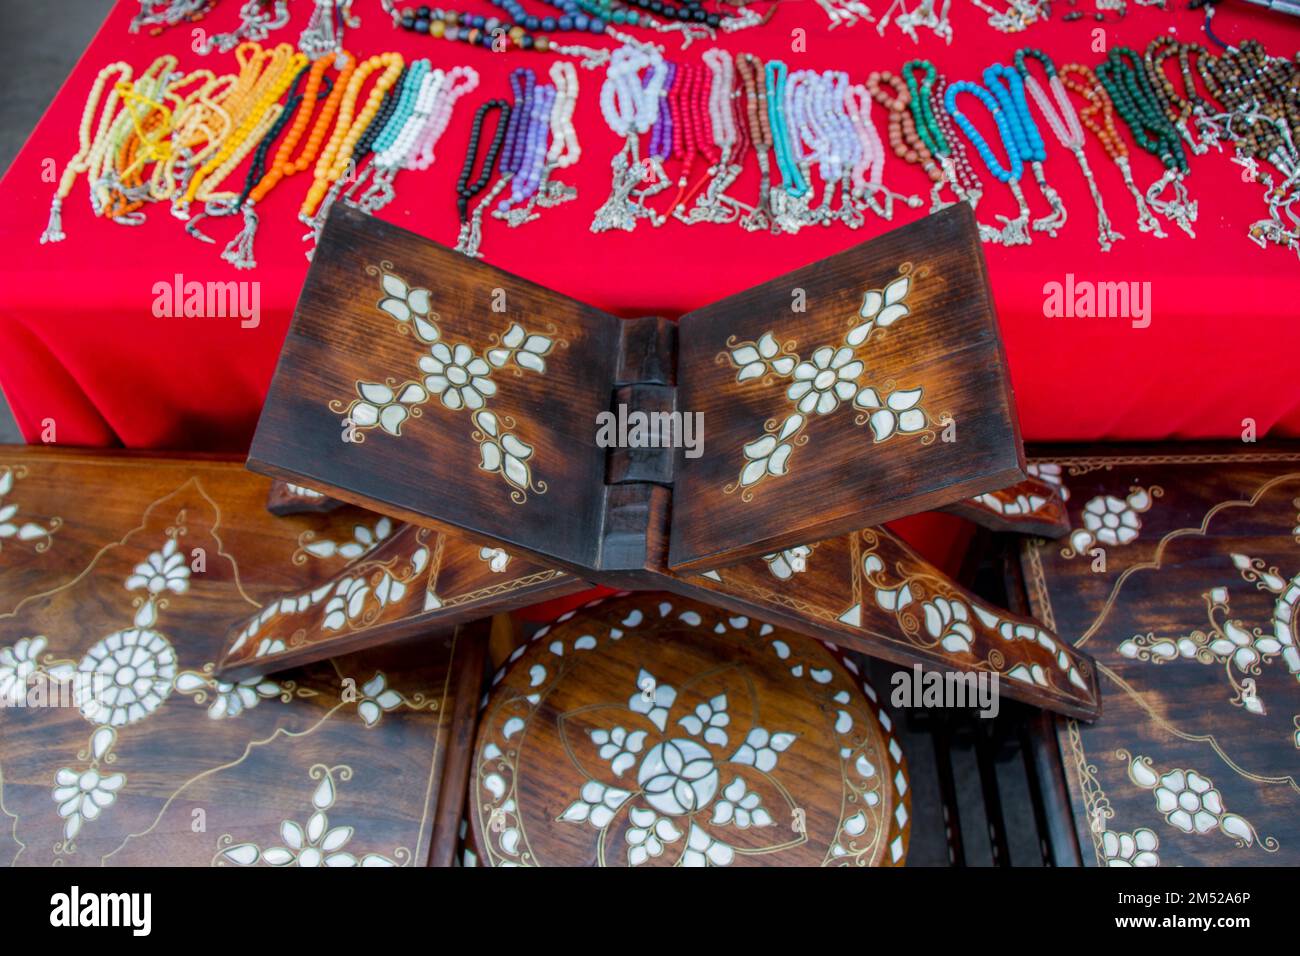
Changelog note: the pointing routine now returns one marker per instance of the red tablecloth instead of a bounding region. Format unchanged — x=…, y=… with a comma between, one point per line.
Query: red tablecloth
x=79, y=343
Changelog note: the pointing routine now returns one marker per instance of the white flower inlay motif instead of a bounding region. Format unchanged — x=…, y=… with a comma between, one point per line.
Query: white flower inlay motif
x=654, y=703
x=125, y=677
x=1241, y=650
x=678, y=777
x=163, y=570
x=619, y=747
x=1189, y=801
x=377, y=698
x=741, y=806
x=1131, y=849
x=317, y=843
x=1111, y=521
x=504, y=454
x=708, y=720
x=84, y=796
x=458, y=375
x=648, y=834
x=760, y=749
x=17, y=665
x=769, y=454
x=704, y=850
x=364, y=540
x=381, y=405
x=496, y=558
x=596, y=804
x=349, y=599
x=9, y=524
x=821, y=383
x=899, y=413
x=228, y=699
x=754, y=358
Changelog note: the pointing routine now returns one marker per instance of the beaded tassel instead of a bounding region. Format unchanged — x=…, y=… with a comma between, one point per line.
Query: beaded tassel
x=470, y=238
x=630, y=108
x=1064, y=122
x=565, y=149
x=88, y=145
x=324, y=31
x=790, y=202
x=1030, y=144
x=711, y=203
x=1013, y=231
x=753, y=79
x=1099, y=117
x=1130, y=90
x=666, y=126
x=255, y=23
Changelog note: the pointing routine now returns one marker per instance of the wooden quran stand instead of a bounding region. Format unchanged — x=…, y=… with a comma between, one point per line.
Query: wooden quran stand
x=480, y=410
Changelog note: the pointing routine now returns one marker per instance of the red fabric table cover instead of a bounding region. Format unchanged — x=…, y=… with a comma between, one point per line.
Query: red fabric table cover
x=81, y=348
x=79, y=343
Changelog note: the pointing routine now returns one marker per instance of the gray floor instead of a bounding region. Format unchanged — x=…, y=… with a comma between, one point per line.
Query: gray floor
x=39, y=42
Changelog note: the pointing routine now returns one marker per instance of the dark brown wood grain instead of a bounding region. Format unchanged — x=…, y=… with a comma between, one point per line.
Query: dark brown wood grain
x=431, y=472
x=1192, y=623
x=606, y=669
x=839, y=477
x=414, y=581
x=147, y=562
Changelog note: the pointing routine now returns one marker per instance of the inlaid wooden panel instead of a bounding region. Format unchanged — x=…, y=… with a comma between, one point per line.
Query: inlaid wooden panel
x=862, y=388
x=119, y=745
x=1181, y=577
x=429, y=386
x=870, y=592
x=655, y=731
x=413, y=581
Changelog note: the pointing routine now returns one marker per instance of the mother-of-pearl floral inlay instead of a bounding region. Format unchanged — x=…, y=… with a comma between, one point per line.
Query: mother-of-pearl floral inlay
x=1110, y=521
x=13, y=526
x=1189, y=802
x=316, y=843
x=459, y=376
x=682, y=782
x=819, y=384
x=1241, y=650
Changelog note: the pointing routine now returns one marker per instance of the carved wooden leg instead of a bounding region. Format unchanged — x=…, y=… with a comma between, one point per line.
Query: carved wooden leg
x=869, y=591
x=1032, y=506
x=414, y=581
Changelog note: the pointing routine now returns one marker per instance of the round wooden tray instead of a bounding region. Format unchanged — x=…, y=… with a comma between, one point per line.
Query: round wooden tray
x=652, y=730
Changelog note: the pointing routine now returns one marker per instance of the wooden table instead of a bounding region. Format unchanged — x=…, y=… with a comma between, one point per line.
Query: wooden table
x=119, y=576
x=1182, y=578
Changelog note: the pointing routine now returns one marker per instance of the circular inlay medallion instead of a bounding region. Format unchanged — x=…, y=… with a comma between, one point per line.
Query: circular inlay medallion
x=125, y=677
x=651, y=730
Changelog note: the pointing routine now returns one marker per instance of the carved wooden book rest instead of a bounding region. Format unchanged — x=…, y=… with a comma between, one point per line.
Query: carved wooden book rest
x=512, y=423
